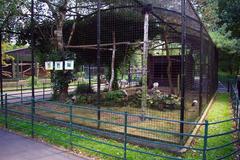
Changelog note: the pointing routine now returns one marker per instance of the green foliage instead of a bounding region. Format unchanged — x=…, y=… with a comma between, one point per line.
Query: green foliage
x=114, y=96
x=37, y=82
x=83, y=88
x=82, y=99
x=222, y=18
x=229, y=57
x=8, y=47
x=229, y=14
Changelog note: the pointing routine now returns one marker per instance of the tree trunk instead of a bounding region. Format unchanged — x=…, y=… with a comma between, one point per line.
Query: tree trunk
x=58, y=33
x=169, y=67
x=63, y=93
x=72, y=32
x=145, y=65
x=113, y=62
x=59, y=13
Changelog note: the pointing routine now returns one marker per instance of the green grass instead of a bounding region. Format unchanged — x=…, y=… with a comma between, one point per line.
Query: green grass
x=220, y=111
x=54, y=135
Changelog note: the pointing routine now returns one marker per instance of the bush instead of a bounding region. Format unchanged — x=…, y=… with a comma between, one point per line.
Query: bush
x=83, y=88
x=114, y=96
x=81, y=99
x=37, y=82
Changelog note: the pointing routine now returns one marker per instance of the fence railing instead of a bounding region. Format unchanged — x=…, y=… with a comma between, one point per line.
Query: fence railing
x=25, y=115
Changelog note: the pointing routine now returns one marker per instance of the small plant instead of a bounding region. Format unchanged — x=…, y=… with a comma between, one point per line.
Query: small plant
x=81, y=99
x=114, y=96
x=160, y=100
x=172, y=99
x=37, y=83
x=83, y=88
x=137, y=99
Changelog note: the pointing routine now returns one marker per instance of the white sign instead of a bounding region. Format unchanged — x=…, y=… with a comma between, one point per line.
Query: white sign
x=58, y=65
x=49, y=65
x=69, y=65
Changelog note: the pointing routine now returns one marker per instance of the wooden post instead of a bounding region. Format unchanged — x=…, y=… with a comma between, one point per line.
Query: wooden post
x=145, y=59
x=113, y=62
x=169, y=67
x=13, y=70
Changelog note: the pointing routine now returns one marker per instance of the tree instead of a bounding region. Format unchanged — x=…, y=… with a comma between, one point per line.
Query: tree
x=228, y=11
x=222, y=19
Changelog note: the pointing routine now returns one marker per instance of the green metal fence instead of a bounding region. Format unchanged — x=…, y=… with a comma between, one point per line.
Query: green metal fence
x=23, y=115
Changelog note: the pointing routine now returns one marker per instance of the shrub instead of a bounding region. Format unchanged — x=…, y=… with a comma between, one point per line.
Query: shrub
x=83, y=88
x=37, y=82
x=136, y=100
x=114, y=96
x=81, y=99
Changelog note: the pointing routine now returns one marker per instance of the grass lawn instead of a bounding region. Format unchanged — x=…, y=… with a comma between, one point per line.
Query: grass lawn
x=84, y=142
x=220, y=111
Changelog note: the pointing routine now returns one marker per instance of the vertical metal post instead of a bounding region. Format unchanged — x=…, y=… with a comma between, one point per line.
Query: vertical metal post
x=238, y=125
x=237, y=105
x=6, y=111
x=98, y=60
x=43, y=91
x=1, y=69
x=228, y=86
x=33, y=66
x=125, y=135
x=70, y=123
x=89, y=78
x=205, y=140
x=201, y=70
x=129, y=73
x=183, y=39
x=21, y=87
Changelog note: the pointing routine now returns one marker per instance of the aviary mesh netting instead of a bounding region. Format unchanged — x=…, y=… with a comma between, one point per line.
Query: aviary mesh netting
x=125, y=46
x=181, y=62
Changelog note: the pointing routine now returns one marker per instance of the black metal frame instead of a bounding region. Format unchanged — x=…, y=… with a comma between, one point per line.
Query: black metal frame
x=183, y=39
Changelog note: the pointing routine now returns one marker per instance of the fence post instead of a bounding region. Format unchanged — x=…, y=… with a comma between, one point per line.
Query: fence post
x=228, y=86
x=205, y=140
x=6, y=111
x=21, y=94
x=237, y=107
x=125, y=135
x=43, y=91
x=32, y=116
x=70, y=125
x=238, y=127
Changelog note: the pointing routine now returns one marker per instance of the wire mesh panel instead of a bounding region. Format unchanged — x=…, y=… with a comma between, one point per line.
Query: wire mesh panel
x=149, y=58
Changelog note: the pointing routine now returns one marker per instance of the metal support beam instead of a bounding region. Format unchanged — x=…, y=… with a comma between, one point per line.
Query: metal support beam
x=201, y=70
x=98, y=59
x=32, y=65
x=183, y=37
x=89, y=78
x=1, y=70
